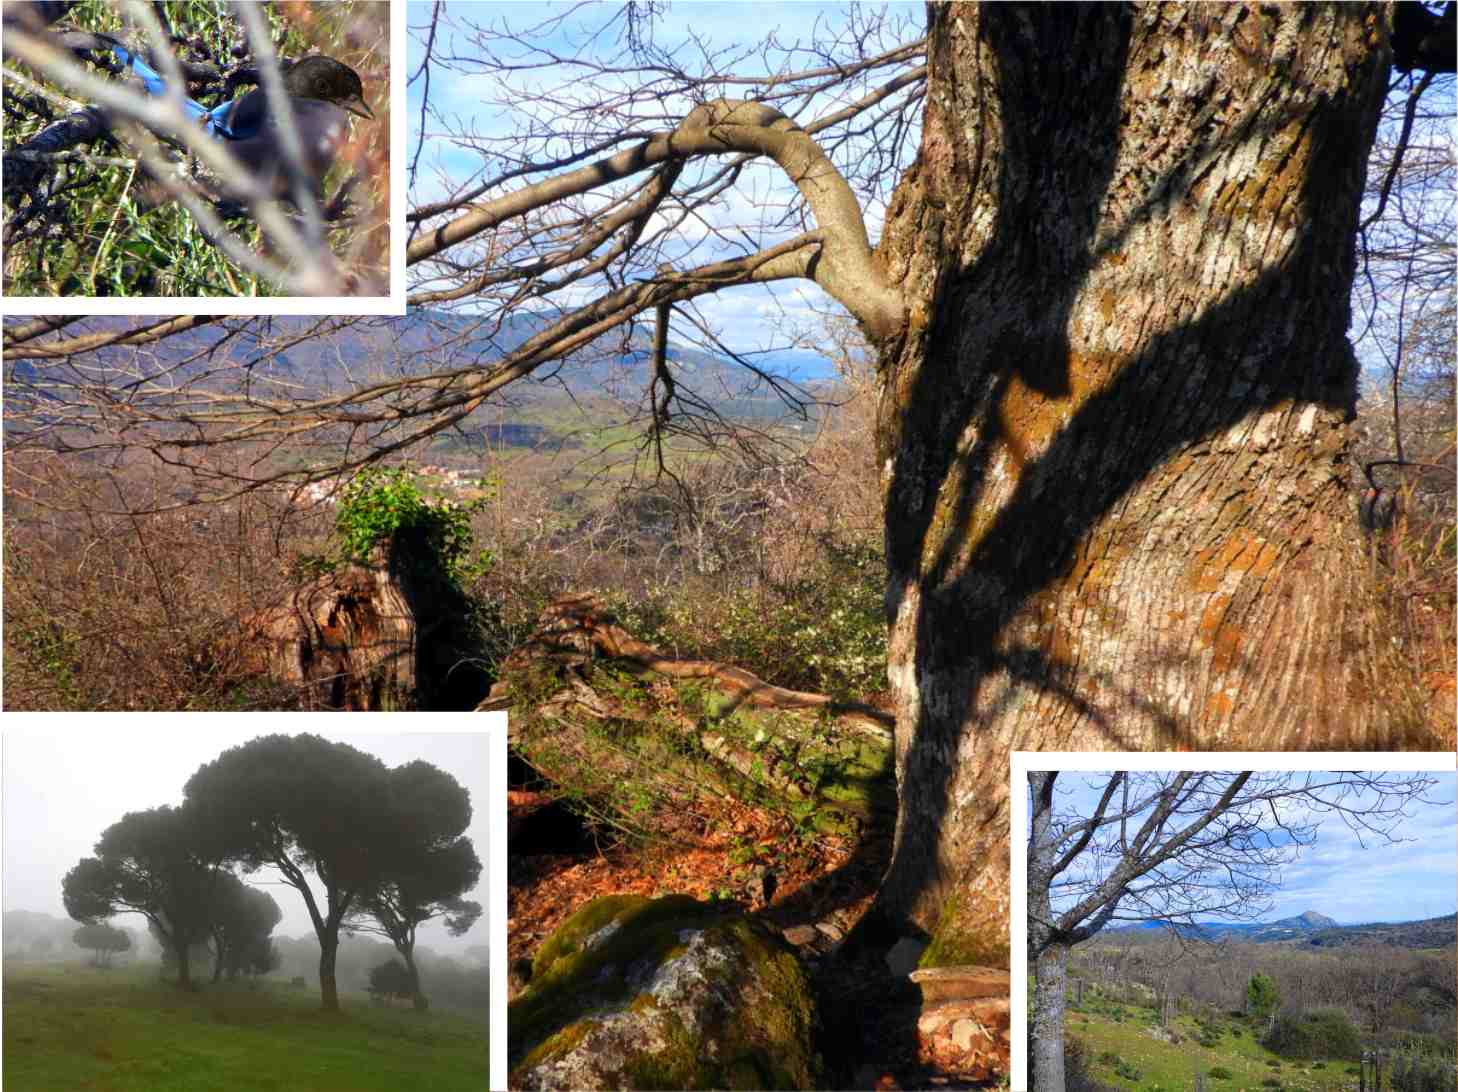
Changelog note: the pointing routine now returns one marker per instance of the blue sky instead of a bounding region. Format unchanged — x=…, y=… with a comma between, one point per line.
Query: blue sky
x=746, y=317
x=1407, y=880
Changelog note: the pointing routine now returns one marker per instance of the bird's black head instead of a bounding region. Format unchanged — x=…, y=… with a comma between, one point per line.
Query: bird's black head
x=327, y=79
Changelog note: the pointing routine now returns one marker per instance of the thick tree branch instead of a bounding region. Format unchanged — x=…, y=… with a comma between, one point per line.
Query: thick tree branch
x=846, y=269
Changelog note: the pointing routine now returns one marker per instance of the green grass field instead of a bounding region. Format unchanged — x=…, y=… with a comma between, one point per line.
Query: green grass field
x=1171, y=1067
x=75, y=1027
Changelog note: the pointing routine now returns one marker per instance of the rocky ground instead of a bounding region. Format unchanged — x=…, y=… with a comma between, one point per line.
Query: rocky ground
x=813, y=890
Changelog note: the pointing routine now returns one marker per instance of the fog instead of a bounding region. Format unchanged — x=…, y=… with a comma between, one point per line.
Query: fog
x=64, y=783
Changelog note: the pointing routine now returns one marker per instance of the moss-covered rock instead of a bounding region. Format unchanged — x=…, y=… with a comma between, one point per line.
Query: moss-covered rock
x=632, y=992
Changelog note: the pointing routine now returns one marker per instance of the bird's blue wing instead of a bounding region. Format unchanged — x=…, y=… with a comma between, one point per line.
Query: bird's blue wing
x=154, y=83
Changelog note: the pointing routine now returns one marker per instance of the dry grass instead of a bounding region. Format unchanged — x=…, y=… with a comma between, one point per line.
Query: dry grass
x=776, y=568
x=107, y=611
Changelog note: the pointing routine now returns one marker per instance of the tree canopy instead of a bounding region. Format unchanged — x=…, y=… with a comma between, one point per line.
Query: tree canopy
x=155, y=863
x=306, y=805
x=102, y=940
x=435, y=864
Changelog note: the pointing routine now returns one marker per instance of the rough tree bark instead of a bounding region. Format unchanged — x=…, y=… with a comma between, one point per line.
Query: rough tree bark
x=328, y=985
x=1114, y=432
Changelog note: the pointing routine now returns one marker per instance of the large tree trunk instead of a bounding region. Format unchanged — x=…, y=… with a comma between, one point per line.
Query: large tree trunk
x=1114, y=434
x=1045, y=1046
x=393, y=633
x=184, y=972
x=417, y=998
x=328, y=989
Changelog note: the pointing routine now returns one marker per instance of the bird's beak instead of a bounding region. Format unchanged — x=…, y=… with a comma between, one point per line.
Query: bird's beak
x=357, y=105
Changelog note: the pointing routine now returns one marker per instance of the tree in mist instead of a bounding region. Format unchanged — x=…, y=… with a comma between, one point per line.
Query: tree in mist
x=1167, y=846
x=306, y=805
x=1109, y=309
x=101, y=940
x=154, y=863
x=392, y=979
x=241, y=921
x=435, y=864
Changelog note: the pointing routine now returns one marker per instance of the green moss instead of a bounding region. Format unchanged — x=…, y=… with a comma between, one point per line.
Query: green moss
x=959, y=941
x=761, y=1042
x=558, y=1044
x=637, y=910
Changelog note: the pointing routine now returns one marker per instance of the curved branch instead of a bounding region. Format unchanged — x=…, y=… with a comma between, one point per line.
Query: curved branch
x=846, y=269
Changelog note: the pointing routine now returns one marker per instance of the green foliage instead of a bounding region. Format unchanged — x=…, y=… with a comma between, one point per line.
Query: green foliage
x=1417, y=1070
x=824, y=632
x=1220, y=1073
x=391, y=979
x=102, y=940
x=1128, y=1070
x=377, y=504
x=1261, y=995
x=1325, y=1033
x=56, y=653
x=1271, y=1082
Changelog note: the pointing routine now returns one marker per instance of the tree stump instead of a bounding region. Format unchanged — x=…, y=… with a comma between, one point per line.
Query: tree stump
x=389, y=633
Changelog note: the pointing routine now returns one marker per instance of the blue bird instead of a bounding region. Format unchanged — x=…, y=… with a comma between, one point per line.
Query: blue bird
x=322, y=92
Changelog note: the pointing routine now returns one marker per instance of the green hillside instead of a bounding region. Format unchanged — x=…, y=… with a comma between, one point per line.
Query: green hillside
x=1125, y=1050
x=77, y=1027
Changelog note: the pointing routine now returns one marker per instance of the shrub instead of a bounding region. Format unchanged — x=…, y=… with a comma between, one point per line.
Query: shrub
x=1417, y=1072
x=1129, y=1071
x=379, y=503
x=1325, y=1033
x=824, y=631
x=390, y=979
x=1271, y=1082
x=1220, y=1073
x=1261, y=996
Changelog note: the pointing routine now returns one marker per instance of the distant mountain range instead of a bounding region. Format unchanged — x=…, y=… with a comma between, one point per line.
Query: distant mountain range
x=1318, y=930
x=618, y=367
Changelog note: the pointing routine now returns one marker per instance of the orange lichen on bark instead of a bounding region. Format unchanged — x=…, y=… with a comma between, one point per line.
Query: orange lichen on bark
x=1241, y=552
x=1223, y=636
x=1219, y=706
x=1043, y=396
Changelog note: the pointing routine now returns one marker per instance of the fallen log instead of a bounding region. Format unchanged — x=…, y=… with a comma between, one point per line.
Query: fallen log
x=578, y=628
x=638, y=738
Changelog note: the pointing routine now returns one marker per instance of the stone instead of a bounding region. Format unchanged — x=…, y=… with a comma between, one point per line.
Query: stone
x=902, y=957
x=831, y=930
x=953, y=983
x=632, y=992
x=989, y=1012
x=801, y=935
x=964, y=1032
x=971, y=1037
